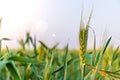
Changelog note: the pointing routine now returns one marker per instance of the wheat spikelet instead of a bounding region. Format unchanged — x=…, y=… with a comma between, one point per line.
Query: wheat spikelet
x=83, y=44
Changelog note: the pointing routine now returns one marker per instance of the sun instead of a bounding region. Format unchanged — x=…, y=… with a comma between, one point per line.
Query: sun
x=53, y=35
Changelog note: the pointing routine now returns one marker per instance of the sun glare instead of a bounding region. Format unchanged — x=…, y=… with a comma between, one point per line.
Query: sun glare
x=53, y=35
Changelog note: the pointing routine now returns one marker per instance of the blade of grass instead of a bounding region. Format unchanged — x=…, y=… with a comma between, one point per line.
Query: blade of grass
x=27, y=72
x=23, y=59
x=65, y=64
x=115, y=54
x=97, y=58
x=100, y=60
x=115, y=75
x=2, y=66
x=35, y=47
x=13, y=70
x=73, y=60
x=5, y=39
x=54, y=47
x=11, y=67
x=36, y=72
x=48, y=66
x=43, y=45
x=87, y=75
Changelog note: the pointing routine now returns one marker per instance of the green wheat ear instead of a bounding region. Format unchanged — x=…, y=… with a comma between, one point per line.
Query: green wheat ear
x=83, y=38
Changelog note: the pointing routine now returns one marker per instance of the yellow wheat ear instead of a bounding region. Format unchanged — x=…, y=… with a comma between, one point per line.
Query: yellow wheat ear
x=83, y=38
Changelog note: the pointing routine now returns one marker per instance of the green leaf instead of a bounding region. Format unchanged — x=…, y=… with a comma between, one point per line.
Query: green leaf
x=23, y=59
x=36, y=72
x=113, y=74
x=54, y=47
x=73, y=60
x=97, y=58
x=5, y=39
x=7, y=55
x=115, y=54
x=35, y=47
x=88, y=74
x=13, y=70
x=43, y=45
x=8, y=52
x=117, y=71
x=106, y=45
x=65, y=64
x=11, y=67
x=2, y=65
x=100, y=60
x=27, y=72
x=29, y=39
x=59, y=69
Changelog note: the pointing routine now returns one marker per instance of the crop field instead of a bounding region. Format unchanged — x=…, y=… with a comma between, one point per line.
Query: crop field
x=44, y=63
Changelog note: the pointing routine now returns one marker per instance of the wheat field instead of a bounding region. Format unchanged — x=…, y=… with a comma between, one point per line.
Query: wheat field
x=44, y=63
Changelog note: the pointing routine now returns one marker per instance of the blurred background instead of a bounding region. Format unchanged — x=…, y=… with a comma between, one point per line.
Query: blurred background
x=55, y=21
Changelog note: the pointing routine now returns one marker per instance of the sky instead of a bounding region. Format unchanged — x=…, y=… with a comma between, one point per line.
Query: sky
x=58, y=21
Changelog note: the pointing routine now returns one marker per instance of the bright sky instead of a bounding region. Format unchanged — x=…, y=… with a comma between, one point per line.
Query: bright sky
x=58, y=20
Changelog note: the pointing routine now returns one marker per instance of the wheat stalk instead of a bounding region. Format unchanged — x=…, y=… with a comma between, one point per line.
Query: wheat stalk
x=83, y=38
